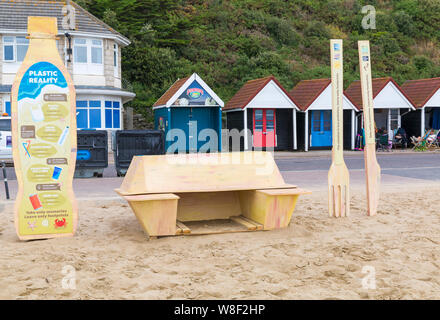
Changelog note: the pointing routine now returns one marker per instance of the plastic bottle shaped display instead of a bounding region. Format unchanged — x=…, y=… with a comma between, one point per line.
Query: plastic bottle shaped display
x=44, y=138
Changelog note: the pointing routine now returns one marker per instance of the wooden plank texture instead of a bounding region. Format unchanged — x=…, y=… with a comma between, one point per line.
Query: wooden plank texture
x=208, y=205
x=372, y=168
x=284, y=192
x=152, y=197
x=338, y=175
x=183, y=227
x=246, y=223
x=158, y=218
x=201, y=173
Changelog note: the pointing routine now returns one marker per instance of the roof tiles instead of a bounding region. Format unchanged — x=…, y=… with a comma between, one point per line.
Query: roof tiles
x=249, y=90
x=14, y=14
x=420, y=91
x=354, y=92
x=170, y=92
x=306, y=91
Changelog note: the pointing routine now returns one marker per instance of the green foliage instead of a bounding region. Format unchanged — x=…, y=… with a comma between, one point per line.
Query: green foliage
x=229, y=42
x=282, y=31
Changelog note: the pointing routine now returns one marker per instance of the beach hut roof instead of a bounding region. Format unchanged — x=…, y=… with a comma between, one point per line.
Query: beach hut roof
x=262, y=92
x=316, y=94
x=386, y=94
x=179, y=86
x=423, y=92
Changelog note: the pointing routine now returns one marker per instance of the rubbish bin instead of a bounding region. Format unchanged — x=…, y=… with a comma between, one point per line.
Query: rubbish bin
x=129, y=143
x=92, y=154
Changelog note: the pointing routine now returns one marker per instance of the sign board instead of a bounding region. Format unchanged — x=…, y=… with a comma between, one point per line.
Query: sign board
x=195, y=95
x=44, y=138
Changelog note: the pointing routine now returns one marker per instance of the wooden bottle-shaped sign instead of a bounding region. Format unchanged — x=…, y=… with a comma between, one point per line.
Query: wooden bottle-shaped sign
x=44, y=138
x=338, y=176
x=372, y=169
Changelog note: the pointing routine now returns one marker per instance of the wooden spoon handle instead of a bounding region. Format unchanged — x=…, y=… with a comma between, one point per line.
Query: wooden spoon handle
x=337, y=94
x=367, y=90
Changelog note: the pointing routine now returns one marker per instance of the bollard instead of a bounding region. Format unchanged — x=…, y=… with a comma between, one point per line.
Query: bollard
x=5, y=179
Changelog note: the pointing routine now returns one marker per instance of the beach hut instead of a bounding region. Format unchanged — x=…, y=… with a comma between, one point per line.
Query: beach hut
x=425, y=93
x=314, y=98
x=390, y=102
x=263, y=111
x=189, y=113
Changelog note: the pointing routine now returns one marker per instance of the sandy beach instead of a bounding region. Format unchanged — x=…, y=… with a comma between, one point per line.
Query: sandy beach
x=316, y=257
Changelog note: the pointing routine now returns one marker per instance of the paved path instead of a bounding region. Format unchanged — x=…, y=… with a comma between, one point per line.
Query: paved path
x=309, y=172
x=419, y=166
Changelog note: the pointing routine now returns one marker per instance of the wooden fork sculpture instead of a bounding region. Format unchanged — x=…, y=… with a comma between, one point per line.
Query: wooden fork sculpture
x=338, y=176
x=372, y=169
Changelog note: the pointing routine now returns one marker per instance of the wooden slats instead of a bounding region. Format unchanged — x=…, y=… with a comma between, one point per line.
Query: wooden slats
x=183, y=228
x=258, y=225
x=248, y=224
x=245, y=223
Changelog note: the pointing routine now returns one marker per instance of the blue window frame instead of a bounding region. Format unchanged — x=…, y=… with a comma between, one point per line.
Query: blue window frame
x=82, y=115
x=116, y=120
x=8, y=107
x=108, y=115
x=88, y=114
x=95, y=114
x=112, y=115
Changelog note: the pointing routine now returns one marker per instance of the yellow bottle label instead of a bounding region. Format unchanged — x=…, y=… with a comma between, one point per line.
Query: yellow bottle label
x=44, y=143
x=44, y=208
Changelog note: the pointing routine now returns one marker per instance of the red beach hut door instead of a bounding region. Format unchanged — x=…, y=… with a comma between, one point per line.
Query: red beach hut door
x=264, y=128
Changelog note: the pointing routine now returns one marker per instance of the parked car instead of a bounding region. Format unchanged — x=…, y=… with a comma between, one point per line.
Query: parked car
x=5, y=138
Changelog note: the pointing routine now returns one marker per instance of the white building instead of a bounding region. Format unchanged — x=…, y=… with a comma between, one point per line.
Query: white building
x=91, y=51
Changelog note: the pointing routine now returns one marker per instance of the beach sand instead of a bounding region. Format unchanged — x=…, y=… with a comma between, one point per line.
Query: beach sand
x=316, y=257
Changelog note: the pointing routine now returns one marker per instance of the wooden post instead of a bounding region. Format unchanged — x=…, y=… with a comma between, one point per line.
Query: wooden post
x=338, y=176
x=306, y=126
x=353, y=131
x=295, y=140
x=246, y=146
x=422, y=124
x=168, y=127
x=372, y=169
x=219, y=130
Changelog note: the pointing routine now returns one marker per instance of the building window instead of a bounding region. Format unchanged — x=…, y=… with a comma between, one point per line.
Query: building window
x=97, y=51
x=82, y=115
x=88, y=114
x=87, y=51
x=80, y=48
x=394, y=118
x=115, y=60
x=15, y=48
x=112, y=115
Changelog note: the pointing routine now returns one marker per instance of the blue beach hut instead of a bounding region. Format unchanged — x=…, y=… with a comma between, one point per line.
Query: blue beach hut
x=189, y=113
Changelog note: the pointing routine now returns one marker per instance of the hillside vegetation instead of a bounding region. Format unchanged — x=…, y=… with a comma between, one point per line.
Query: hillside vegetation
x=230, y=42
